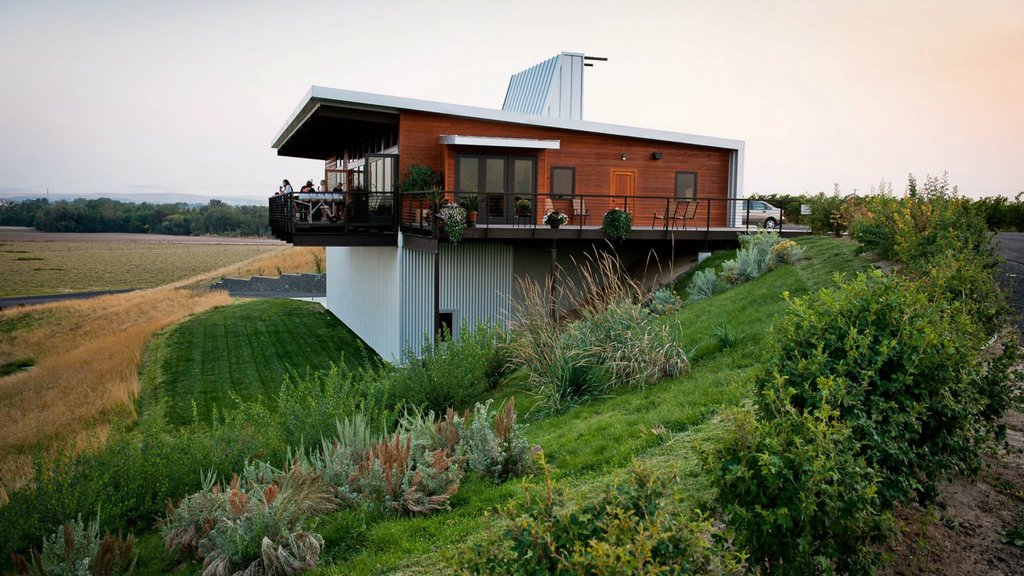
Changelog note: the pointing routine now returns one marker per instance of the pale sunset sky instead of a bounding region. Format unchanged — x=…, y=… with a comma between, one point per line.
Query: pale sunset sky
x=128, y=96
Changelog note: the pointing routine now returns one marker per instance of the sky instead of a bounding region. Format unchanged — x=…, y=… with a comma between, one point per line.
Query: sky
x=130, y=96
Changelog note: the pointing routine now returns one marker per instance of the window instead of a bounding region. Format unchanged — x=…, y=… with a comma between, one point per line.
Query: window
x=447, y=325
x=563, y=182
x=686, y=185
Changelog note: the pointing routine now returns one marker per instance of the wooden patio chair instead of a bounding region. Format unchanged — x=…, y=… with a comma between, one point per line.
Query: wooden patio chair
x=580, y=210
x=682, y=211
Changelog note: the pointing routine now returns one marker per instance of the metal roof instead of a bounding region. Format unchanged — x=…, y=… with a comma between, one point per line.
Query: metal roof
x=318, y=96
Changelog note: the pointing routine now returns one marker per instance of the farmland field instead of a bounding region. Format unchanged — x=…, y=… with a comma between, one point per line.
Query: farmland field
x=33, y=263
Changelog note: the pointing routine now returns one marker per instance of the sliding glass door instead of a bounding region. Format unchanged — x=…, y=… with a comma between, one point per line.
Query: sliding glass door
x=498, y=182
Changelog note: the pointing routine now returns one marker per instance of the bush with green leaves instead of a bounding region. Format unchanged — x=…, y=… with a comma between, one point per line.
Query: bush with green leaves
x=929, y=220
x=799, y=496
x=831, y=214
x=131, y=478
x=636, y=527
x=448, y=372
x=904, y=372
x=76, y=549
x=705, y=284
x=617, y=224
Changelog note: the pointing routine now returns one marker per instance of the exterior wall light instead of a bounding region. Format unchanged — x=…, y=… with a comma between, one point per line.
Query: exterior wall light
x=623, y=157
x=656, y=155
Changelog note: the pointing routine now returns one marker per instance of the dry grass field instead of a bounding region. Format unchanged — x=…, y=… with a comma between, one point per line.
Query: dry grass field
x=87, y=352
x=33, y=267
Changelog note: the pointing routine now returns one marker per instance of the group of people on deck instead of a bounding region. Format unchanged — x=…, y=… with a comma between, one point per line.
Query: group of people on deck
x=313, y=210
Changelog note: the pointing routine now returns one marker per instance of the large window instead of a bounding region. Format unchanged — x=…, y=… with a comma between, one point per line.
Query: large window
x=686, y=185
x=563, y=182
x=499, y=182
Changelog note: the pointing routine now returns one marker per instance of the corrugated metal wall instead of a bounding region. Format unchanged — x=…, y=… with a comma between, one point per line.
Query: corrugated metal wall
x=363, y=292
x=476, y=282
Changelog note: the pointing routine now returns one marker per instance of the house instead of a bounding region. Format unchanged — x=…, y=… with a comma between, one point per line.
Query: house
x=394, y=278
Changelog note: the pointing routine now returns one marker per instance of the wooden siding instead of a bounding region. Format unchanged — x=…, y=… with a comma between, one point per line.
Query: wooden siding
x=592, y=155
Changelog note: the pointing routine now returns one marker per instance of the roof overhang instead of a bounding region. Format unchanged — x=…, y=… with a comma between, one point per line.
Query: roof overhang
x=378, y=111
x=501, y=142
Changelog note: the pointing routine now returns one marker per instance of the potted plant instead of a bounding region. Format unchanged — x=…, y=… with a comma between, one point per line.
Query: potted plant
x=617, y=224
x=469, y=203
x=523, y=207
x=555, y=218
x=453, y=218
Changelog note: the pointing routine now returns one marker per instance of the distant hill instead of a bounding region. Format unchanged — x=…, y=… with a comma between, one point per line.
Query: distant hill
x=151, y=197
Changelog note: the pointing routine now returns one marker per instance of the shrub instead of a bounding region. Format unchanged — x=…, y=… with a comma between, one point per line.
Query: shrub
x=76, y=549
x=130, y=479
x=497, y=451
x=664, y=302
x=749, y=264
x=253, y=523
x=310, y=405
x=904, y=373
x=449, y=372
x=831, y=213
x=705, y=284
x=617, y=224
x=393, y=478
x=633, y=528
x=787, y=252
x=797, y=493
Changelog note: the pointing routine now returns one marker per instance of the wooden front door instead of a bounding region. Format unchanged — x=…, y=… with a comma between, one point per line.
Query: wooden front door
x=623, y=187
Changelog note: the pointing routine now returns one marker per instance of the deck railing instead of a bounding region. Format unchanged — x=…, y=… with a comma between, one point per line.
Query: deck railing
x=362, y=212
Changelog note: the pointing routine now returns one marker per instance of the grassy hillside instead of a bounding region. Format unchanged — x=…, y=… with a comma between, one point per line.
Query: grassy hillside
x=662, y=427
x=590, y=445
x=241, y=351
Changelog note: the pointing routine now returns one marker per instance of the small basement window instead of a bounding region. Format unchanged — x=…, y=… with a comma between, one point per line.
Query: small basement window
x=563, y=182
x=447, y=324
x=686, y=185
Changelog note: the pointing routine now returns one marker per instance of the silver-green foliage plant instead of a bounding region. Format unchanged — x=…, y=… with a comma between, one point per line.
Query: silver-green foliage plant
x=664, y=302
x=494, y=446
x=705, y=284
x=76, y=549
x=254, y=524
x=749, y=264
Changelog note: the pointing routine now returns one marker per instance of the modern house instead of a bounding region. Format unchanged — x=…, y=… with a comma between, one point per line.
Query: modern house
x=394, y=277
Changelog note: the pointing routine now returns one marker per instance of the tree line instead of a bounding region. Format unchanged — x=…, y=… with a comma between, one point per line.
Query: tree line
x=106, y=215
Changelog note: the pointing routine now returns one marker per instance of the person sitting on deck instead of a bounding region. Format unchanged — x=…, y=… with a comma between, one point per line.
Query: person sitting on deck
x=285, y=188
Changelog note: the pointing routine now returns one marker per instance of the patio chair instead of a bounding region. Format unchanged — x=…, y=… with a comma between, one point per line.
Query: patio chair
x=580, y=210
x=687, y=212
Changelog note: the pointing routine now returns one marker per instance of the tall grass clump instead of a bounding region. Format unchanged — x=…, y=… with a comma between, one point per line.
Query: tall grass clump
x=610, y=340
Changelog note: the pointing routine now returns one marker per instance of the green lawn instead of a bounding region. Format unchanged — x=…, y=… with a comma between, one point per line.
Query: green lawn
x=243, y=350
x=661, y=427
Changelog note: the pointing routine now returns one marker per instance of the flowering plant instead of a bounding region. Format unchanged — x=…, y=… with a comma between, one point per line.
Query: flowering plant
x=454, y=218
x=617, y=224
x=554, y=217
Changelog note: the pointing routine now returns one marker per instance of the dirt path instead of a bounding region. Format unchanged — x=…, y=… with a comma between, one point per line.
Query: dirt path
x=966, y=537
